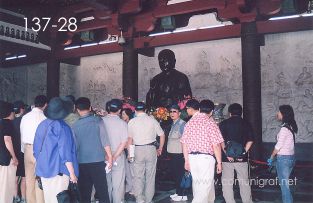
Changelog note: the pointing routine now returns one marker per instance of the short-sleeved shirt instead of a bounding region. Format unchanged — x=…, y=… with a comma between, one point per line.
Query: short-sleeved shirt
x=116, y=129
x=285, y=142
x=236, y=129
x=29, y=124
x=5, y=156
x=201, y=133
x=91, y=138
x=144, y=129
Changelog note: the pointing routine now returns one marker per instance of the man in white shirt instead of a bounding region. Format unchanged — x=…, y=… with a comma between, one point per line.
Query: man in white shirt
x=143, y=130
x=118, y=134
x=29, y=124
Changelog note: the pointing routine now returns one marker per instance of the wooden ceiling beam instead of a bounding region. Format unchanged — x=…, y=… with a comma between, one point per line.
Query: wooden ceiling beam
x=286, y=25
x=231, y=31
x=130, y=7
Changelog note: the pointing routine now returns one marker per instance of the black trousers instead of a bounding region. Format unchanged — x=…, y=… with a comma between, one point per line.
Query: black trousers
x=93, y=174
x=177, y=166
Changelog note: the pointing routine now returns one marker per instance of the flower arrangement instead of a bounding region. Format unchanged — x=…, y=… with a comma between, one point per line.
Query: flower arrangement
x=129, y=103
x=182, y=103
x=161, y=114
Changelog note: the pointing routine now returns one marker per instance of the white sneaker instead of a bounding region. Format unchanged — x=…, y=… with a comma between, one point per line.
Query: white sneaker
x=179, y=198
x=174, y=195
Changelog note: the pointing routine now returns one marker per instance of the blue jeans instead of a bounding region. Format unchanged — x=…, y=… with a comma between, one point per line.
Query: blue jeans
x=284, y=166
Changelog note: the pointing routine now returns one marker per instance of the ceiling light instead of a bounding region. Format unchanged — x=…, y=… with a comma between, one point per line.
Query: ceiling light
x=87, y=19
x=160, y=33
x=212, y=26
x=71, y=47
x=184, y=30
x=284, y=17
x=88, y=45
x=11, y=58
x=21, y=56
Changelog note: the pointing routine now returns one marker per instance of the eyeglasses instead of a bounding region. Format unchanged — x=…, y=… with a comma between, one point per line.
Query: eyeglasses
x=173, y=111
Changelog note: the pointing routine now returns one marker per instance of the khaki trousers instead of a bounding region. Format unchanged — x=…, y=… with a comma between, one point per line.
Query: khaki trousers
x=144, y=173
x=242, y=178
x=53, y=186
x=129, y=176
x=33, y=193
x=7, y=183
x=116, y=180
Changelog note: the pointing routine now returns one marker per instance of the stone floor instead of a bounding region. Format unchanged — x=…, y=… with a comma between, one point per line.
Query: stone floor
x=262, y=191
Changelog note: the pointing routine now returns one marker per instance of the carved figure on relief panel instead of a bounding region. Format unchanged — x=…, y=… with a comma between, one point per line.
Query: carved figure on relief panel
x=203, y=76
x=267, y=82
x=284, y=91
x=304, y=78
x=308, y=96
x=270, y=122
x=309, y=128
x=95, y=91
x=235, y=81
x=170, y=85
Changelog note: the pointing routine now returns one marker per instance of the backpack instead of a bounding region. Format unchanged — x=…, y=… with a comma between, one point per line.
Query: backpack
x=234, y=149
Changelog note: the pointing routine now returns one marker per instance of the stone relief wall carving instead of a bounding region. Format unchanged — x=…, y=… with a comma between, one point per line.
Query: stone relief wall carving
x=68, y=80
x=100, y=78
x=23, y=82
x=12, y=84
x=287, y=70
x=37, y=81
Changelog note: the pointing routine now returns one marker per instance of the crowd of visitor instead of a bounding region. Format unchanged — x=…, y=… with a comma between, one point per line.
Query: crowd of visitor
x=64, y=141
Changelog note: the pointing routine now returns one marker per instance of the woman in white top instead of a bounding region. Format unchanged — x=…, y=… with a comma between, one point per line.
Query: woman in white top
x=284, y=150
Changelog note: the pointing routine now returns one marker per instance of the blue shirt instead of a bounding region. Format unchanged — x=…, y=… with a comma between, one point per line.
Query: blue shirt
x=54, y=146
x=91, y=139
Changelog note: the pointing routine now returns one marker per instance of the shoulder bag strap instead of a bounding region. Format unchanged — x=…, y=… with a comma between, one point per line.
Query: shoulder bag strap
x=46, y=132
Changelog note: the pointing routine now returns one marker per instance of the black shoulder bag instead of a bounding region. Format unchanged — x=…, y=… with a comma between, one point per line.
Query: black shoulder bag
x=71, y=195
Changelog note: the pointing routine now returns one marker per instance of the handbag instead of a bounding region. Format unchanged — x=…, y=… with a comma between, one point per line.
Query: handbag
x=235, y=150
x=186, y=181
x=71, y=195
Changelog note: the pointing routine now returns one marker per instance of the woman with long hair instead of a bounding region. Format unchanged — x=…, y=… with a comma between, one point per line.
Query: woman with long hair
x=284, y=150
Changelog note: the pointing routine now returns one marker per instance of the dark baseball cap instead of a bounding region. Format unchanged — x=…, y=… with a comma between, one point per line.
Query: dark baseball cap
x=141, y=106
x=19, y=104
